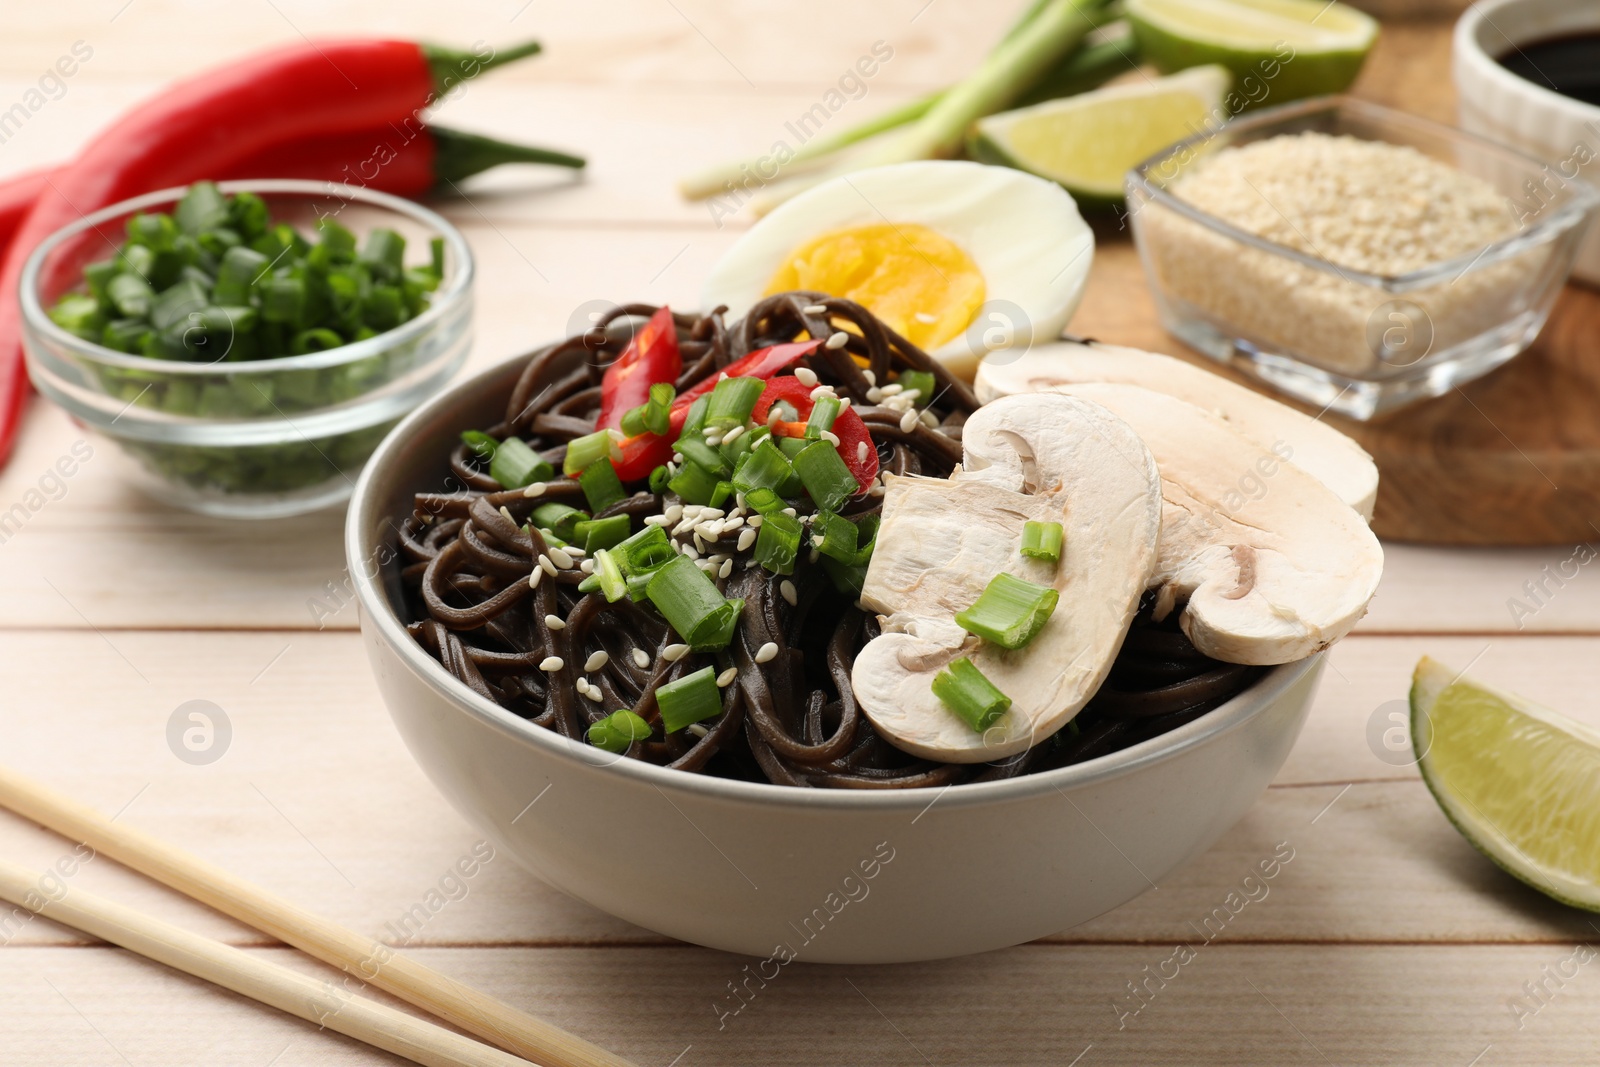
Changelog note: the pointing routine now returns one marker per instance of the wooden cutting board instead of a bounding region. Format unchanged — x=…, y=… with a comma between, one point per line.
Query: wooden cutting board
x=1510, y=459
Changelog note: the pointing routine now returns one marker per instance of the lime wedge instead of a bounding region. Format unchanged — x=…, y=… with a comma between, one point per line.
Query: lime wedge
x=1278, y=50
x=1521, y=782
x=1088, y=142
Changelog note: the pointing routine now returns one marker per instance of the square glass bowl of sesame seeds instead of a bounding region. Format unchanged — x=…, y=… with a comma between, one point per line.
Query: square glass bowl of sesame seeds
x=1353, y=256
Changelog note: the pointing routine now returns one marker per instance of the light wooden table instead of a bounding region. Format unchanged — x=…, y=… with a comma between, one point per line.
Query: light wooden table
x=1386, y=939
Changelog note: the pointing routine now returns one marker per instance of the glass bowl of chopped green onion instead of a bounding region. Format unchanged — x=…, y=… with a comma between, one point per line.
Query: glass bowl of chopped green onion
x=247, y=344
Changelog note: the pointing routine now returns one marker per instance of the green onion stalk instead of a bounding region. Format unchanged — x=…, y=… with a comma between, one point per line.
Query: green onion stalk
x=1038, y=59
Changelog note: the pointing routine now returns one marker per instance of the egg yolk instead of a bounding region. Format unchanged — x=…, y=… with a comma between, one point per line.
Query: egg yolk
x=919, y=282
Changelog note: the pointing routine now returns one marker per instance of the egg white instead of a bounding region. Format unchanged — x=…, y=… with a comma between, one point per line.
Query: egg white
x=1024, y=234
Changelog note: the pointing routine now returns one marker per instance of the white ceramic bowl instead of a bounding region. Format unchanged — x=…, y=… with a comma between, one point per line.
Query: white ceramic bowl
x=1495, y=103
x=825, y=875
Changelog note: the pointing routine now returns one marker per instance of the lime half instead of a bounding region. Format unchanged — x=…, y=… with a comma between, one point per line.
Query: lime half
x=1521, y=782
x=1278, y=50
x=1088, y=142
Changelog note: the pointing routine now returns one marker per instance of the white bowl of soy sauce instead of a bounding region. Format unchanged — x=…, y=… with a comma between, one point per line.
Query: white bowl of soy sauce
x=1527, y=74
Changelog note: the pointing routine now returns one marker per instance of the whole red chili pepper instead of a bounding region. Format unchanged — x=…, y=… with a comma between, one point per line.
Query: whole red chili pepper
x=651, y=358
x=209, y=123
x=638, y=456
x=848, y=427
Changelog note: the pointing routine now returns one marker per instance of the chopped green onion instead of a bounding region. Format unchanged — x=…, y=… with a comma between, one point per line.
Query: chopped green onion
x=98, y=275
x=723, y=491
x=848, y=578
x=654, y=415
x=590, y=584
x=695, y=450
x=764, y=502
x=320, y=339
x=778, y=542
x=612, y=582
x=695, y=418
x=203, y=207
x=834, y=536
x=822, y=417
x=383, y=254
x=763, y=468
x=694, y=484
x=560, y=518
x=601, y=486
x=825, y=475
x=693, y=606
x=645, y=552
x=282, y=299
x=1009, y=612
x=791, y=446
x=603, y=533
x=658, y=480
x=691, y=699
x=732, y=401
x=585, y=450
x=658, y=410
x=481, y=444
x=920, y=380
x=131, y=295
x=514, y=465
x=617, y=731
x=79, y=315
x=963, y=689
x=1042, y=540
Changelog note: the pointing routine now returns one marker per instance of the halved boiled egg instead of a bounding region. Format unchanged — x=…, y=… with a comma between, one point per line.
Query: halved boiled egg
x=958, y=258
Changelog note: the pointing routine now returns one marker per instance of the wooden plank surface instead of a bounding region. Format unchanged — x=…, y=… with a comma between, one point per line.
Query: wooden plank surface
x=1386, y=940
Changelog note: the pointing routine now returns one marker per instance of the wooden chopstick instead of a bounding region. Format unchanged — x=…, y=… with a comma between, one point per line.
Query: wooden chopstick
x=366, y=959
x=298, y=994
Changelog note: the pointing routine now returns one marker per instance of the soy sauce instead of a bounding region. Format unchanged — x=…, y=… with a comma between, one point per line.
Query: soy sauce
x=1569, y=64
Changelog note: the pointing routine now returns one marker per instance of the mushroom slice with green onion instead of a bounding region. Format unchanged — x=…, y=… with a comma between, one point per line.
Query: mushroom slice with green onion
x=1312, y=445
x=1269, y=565
x=1042, y=458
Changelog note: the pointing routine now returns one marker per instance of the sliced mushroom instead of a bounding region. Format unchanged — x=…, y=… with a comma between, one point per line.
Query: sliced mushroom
x=1272, y=564
x=1044, y=457
x=1309, y=443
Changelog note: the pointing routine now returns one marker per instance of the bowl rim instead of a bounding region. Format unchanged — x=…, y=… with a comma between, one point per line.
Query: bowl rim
x=1573, y=213
x=1468, y=49
x=378, y=618
x=36, y=318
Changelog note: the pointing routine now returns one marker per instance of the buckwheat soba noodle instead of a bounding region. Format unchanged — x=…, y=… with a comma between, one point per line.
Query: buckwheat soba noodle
x=565, y=658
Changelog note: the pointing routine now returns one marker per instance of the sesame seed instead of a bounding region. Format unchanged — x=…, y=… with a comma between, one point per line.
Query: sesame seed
x=641, y=658
x=815, y=309
x=582, y=687
x=911, y=394
x=732, y=522
x=555, y=622
x=774, y=416
x=789, y=512
x=733, y=434
x=536, y=489
x=838, y=340
x=805, y=376
x=552, y=664
x=746, y=539
x=711, y=513
x=713, y=440
x=574, y=551
x=699, y=544
x=546, y=565
x=691, y=551
x=507, y=513
x=874, y=394
x=814, y=555
x=698, y=729
x=655, y=520
x=726, y=568
x=925, y=318
x=587, y=566
x=710, y=531
x=726, y=678
x=755, y=521
x=821, y=391
x=561, y=558
x=892, y=388
x=673, y=513
x=533, y=579
x=673, y=653
x=718, y=557
x=596, y=661
x=908, y=421
x=786, y=587
x=872, y=379
x=844, y=403
x=594, y=694
x=831, y=437
x=929, y=419
x=862, y=452
x=766, y=652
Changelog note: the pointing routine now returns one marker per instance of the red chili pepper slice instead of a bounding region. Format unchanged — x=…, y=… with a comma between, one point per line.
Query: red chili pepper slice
x=642, y=454
x=650, y=358
x=848, y=427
